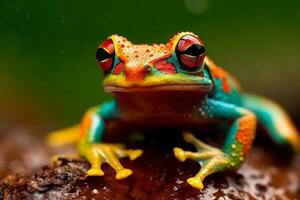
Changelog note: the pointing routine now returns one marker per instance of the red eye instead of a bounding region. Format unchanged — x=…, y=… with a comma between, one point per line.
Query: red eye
x=190, y=52
x=105, y=55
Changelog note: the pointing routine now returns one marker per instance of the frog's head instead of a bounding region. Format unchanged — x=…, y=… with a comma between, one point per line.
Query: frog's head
x=178, y=65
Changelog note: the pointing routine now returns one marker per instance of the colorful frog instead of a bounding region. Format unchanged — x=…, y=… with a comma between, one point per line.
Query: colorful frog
x=174, y=85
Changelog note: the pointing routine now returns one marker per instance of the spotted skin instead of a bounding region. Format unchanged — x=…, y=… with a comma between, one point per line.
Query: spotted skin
x=175, y=85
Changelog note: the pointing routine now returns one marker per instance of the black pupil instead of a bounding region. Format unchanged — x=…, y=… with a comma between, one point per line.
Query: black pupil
x=102, y=54
x=195, y=50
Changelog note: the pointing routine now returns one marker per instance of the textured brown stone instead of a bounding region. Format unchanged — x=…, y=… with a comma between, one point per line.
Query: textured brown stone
x=267, y=174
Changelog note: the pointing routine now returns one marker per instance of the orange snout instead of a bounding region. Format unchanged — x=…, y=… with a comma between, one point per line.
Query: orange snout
x=135, y=73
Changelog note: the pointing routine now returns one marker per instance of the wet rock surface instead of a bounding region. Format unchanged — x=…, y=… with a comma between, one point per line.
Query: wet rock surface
x=267, y=174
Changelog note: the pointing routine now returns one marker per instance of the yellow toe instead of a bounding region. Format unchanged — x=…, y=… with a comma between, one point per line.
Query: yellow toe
x=94, y=172
x=135, y=154
x=195, y=182
x=123, y=173
x=179, y=154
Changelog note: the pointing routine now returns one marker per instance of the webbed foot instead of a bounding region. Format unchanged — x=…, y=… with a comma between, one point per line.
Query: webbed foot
x=210, y=158
x=97, y=154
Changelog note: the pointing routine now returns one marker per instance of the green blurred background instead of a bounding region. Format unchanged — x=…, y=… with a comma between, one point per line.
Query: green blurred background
x=48, y=74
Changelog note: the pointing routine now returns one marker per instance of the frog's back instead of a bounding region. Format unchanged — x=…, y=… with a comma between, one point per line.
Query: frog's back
x=226, y=86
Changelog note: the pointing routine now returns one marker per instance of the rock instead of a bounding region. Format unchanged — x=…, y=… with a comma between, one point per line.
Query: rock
x=267, y=174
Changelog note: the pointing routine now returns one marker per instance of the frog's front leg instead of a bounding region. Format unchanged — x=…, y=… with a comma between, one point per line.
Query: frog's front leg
x=93, y=128
x=238, y=141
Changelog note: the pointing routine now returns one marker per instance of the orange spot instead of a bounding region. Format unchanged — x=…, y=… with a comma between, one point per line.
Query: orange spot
x=246, y=132
x=123, y=58
x=218, y=72
x=226, y=86
x=85, y=124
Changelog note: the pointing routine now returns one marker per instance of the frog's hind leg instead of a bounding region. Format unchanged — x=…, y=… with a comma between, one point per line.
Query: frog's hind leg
x=63, y=137
x=274, y=119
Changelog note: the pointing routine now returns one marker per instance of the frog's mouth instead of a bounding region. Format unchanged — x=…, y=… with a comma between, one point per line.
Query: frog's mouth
x=164, y=87
x=176, y=82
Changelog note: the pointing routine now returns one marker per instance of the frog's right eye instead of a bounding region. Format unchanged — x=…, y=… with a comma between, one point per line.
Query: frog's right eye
x=190, y=52
x=105, y=55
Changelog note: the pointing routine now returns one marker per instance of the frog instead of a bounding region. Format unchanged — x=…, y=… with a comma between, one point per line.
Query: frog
x=174, y=85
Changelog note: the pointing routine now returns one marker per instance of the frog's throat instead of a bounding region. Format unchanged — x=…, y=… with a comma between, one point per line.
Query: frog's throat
x=163, y=87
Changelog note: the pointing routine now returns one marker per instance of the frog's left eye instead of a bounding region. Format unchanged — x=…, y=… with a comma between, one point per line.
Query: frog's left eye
x=105, y=55
x=190, y=53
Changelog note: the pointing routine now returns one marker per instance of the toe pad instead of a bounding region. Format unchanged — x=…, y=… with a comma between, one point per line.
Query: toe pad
x=123, y=173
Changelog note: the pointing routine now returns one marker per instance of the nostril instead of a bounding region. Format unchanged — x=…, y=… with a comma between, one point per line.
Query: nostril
x=147, y=69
